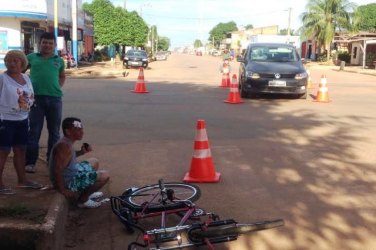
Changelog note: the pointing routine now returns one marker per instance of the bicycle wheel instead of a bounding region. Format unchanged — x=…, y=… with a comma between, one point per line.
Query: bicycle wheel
x=136, y=199
x=235, y=229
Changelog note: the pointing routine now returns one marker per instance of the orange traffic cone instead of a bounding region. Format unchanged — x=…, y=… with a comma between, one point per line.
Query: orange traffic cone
x=233, y=95
x=309, y=80
x=322, y=93
x=202, y=167
x=140, y=84
x=225, y=80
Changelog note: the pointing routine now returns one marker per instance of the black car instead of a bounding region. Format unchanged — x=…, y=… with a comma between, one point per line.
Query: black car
x=272, y=68
x=135, y=58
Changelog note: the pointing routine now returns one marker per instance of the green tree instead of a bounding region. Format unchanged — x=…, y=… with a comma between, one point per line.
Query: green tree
x=248, y=26
x=323, y=17
x=138, y=30
x=218, y=33
x=365, y=17
x=163, y=43
x=284, y=32
x=197, y=43
x=116, y=25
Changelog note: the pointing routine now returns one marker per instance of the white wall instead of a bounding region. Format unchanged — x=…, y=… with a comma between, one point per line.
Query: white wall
x=12, y=26
x=31, y=6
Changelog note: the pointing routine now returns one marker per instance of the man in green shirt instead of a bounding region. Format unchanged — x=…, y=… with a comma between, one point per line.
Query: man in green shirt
x=47, y=76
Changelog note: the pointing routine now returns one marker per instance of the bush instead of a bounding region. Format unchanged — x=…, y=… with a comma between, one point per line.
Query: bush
x=100, y=55
x=322, y=57
x=344, y=56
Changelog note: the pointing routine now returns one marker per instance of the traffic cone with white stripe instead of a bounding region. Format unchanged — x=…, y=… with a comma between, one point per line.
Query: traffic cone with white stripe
x=140, y=87
x=225, y=80
x=202, y=168
x=233, y=95
x=322, y=93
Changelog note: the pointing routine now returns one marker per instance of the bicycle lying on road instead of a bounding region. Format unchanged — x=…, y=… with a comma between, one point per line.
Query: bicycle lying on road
x=164, y=199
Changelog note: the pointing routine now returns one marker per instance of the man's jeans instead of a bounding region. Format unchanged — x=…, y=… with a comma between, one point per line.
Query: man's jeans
x=51, y=108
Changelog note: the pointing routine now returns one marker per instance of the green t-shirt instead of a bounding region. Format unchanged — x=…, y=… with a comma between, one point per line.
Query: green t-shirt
x=44, y=74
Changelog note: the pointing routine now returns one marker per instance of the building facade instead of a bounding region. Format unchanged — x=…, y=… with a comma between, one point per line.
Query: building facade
x=23, y=21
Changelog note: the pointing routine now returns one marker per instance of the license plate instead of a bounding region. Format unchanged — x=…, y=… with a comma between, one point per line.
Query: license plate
x=277, y=83
x=135, y=63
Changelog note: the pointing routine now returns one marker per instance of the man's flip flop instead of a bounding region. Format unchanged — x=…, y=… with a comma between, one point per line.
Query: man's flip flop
x=7, y=191
x=32, y=185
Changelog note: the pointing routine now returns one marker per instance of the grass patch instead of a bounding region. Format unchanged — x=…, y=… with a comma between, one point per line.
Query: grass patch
x=20, y=211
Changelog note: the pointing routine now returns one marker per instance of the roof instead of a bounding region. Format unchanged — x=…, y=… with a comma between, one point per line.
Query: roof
x=358, y=37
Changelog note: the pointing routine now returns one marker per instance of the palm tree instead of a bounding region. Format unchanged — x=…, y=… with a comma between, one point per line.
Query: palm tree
x=324, y=17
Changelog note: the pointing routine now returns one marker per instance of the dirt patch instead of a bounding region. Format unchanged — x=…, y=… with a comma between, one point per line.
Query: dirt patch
x=73, y=227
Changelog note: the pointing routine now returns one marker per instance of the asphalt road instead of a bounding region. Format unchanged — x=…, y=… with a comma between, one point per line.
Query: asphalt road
x=312, y=164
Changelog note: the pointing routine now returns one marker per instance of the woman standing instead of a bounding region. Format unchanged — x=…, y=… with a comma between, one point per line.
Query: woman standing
x=16, y=97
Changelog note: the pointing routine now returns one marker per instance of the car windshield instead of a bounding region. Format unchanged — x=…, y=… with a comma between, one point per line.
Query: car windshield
x=273, y=54
x=136, y=53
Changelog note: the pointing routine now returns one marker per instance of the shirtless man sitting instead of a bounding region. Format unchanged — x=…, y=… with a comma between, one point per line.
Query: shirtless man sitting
x=76, y=180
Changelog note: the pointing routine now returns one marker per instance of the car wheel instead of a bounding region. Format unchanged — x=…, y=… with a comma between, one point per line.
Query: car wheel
x=145, y=66
x=243, y=94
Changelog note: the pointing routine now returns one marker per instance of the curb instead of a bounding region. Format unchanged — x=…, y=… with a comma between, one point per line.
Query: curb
x=92, y=77
x=46, y=236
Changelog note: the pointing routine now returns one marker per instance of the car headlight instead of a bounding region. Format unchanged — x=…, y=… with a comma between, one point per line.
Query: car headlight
x=253, y=75
x=301, y=76
x=144, y=60
x=126, y=58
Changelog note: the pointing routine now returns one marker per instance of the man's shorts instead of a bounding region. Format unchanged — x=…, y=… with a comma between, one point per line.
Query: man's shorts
x=13, y=134
x=85, y=177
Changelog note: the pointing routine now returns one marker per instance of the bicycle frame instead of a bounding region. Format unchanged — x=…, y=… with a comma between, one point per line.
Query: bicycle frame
x=202, y=233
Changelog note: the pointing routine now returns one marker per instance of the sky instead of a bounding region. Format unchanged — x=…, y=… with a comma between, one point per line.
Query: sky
x=184, y=21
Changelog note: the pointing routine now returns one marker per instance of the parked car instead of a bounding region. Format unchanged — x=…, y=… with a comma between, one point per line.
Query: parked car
x=272, y=68
x=135, y=58
x=216, y=53
x=160, y=56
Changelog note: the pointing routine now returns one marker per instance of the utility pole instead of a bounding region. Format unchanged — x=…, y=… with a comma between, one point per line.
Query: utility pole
x=289, y=24
x=152, y=41
x=55, y=22
x=125, y=5
x=74, y=30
